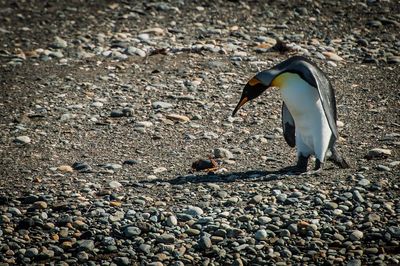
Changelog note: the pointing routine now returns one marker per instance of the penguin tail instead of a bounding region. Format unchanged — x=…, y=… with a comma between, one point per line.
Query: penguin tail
x=337, y=159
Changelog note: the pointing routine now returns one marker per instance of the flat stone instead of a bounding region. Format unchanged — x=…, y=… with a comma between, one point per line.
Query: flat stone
x=65, y=169
x=194, y=211
x=179, y=118
x=86, y=244
x=143, y=124
x=132, y=231
x=261, y=234
x=161, y=105
x=204, y=242
x=114, y=184
x=22, y=140
x=172, y=221
x=59, y=43
x=356, y=235
x=332, y=56
x=166, y=238
x=223, y=153
x=378, y=153
x=31, y=252
x=40, y=205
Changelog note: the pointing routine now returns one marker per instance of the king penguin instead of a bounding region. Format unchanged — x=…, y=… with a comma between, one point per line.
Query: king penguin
x=308, y=111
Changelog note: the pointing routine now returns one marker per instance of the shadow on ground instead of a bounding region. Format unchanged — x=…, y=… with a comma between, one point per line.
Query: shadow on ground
x=254, y=175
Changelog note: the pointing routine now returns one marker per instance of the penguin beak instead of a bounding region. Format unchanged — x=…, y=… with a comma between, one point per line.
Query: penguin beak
x=242, y=101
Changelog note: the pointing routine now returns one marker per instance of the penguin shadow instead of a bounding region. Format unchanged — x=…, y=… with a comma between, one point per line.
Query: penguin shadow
x=252, y=175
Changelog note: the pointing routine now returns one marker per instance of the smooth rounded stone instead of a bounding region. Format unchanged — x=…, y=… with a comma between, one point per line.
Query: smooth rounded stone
x=357, y=196
x=261, y=235
x=223, y=153
x=59, y=43
x=378, y=153
x=204, y=242
x=114, y=184
x=161, y=105
x=339, y=237
x=332, y=56
x=363, y=182
x=40, y=205
x=354, y=262
x=113, y=166
x=394, y=231
x=145, y=248
x=82, y=256
x=22, y=140
x=122, y=261
x=184, y=217
x=81, y=167
x=165, y=239
x=371, y=250
x=264, y=220
x=210, y=135
x=393, y=60
x=14, y=211
x=31, y=252
x=172, y=220
x=282, y=197
x=131, y=162
x=284, y=233
x=144, y=124
x=86, y=245
x=296, y=194
x=331, y=205
x=132, y=231
x=356, y=235
x=194, y=211
x=135, y=51
x=179, y=118
x=117, y=216
x=293, y=228
x=373, y=217
x=117, y=113
x=97, y=104
x=65, y=169
x=383, y=168
x=193, y=232
x=256, y=199
x=237, y=262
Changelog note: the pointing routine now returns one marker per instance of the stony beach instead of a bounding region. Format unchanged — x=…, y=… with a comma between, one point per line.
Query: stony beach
x=105, y=106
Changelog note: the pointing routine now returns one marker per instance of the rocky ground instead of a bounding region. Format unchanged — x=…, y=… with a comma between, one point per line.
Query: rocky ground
x=105, y=106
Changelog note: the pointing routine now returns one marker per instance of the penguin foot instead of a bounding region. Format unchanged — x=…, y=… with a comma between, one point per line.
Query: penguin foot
x=293, y=170
x=337, y=159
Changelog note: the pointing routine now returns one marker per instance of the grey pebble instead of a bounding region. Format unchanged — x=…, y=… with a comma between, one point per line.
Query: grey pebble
x=132, y=231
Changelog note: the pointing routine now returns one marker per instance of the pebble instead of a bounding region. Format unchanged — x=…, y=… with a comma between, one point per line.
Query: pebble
x=356, y=235
x=261, y=235
x=179, y=118
x=65, y=169
x=59, y=43
x=23, y=139
x=131, y=231
x=161, y=105
x=86, y=245
x=172, y=221
x=378, y=153
x=223, y=153
x=114, y=184
x=194, y=211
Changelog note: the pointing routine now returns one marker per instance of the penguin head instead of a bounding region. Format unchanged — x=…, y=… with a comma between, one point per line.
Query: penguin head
x=255, y=86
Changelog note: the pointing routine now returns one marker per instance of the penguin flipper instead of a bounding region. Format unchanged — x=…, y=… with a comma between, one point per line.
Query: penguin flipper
x=289, y=129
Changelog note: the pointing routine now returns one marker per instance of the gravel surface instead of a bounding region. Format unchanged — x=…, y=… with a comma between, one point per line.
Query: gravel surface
x=106, y=105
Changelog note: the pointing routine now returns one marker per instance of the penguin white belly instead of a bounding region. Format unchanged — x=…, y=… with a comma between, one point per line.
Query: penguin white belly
x=312, y=129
